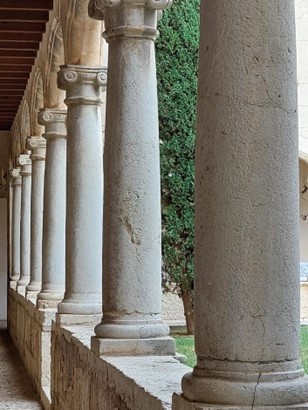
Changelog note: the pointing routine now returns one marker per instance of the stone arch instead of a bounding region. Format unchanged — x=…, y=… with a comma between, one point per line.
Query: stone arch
x=54, y=97
x=37, y=102
x=15, y=141
x=82, y=35
x=25, y=128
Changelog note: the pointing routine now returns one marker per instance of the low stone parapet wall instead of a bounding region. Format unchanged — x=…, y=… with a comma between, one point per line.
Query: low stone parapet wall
x=82, y=380
x=30, y=330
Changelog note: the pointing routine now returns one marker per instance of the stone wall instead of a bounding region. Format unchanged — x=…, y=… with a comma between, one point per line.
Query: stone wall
x=172, y=309
x=82, y=380
x=30, y=330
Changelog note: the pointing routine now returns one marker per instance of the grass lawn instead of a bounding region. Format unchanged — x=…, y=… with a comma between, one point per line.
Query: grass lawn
x=185, y=345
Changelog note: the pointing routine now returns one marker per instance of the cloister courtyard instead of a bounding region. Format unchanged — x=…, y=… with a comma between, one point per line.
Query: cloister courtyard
x=82, y=324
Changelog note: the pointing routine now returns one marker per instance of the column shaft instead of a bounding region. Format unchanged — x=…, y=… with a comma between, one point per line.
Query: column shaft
x=247, y=245
x=132, y=223
x=84, y=189
x=25, y=222
x=53, y=271
x=38, y=147
x=15, y=174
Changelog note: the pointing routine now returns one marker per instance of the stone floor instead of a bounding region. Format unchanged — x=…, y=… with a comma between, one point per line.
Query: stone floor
x=16, y=390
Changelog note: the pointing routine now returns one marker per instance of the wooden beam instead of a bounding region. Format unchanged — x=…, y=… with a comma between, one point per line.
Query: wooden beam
x=9, y=99
x=18, y=53
x=12, y=75
x=26, y=5
x=21, y=37
x=18, y=45
x=11, y=92
x=23, y=15
x=10, y=61
x=14, y=81
x=18, y=68
x=29, y=27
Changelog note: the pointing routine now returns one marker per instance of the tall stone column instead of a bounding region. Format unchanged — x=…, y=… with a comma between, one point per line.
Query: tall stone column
x=25, y=163
x=247, y=245
x=131, y=322
x=16, y=183
x=37, y=146
x=53, y=271
x=84, y=189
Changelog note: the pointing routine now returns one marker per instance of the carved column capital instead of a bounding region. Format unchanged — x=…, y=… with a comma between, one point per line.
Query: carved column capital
x=83, y=84
x=16, y=177
x=37, y=145
x=128, y=18
x=54, y=121
x=97, y=8
x=25, y=163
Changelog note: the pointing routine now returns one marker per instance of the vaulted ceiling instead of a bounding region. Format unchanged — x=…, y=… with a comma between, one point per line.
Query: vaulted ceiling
x=22, y=23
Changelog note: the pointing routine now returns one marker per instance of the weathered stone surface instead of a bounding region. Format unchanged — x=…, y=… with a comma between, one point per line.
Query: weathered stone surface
x=30, y=330
x=82, y=380
x=84, y=210
x=179, y=403
x=25, y=223
x=247, y=244
x=53, y=252
x=37, y=146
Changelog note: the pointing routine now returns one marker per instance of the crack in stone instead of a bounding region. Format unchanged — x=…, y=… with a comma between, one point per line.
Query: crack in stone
x=255, y=392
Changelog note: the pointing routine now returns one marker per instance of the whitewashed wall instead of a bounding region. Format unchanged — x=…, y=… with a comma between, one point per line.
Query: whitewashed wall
x=301, y=7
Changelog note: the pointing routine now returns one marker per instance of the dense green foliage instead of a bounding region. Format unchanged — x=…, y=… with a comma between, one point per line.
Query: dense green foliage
x=177, y=54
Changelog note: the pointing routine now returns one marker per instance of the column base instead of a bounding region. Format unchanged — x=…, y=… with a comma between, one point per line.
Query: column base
x=21, y=289
x=80, y=306
x=180, y=403
x=131, y=328
x=34, y=287
x=13, y=284
x=281, y=384
x=160, y=346
x=49, y=298
x=75, y=320
x=31, y=294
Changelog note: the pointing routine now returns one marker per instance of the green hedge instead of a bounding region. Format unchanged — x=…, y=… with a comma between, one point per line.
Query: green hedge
x=177, y=55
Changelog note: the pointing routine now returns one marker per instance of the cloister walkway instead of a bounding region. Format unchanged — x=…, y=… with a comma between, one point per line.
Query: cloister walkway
x=16, y=390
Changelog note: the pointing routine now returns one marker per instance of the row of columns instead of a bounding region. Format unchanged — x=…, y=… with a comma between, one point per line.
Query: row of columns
x=247, y=265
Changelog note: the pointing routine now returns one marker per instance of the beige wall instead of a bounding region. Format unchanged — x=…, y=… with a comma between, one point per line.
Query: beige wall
x=301, y=7
x=303, y=180
x=3, y=258
x=4, y=141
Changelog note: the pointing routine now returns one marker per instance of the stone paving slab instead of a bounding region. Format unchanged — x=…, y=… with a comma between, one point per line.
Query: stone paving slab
x=16, y=390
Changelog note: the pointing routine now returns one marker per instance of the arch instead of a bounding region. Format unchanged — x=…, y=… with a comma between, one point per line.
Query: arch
x=54, y=97
x=25, y=128
x=37, y=102
x=82, y=35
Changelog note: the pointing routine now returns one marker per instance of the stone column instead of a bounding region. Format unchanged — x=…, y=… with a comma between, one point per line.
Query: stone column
x=16, y=183
x=132, y=292
x=247, y=245
x=84, y=189
x=25, y=222
x=38, y=147
x=53, y=271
